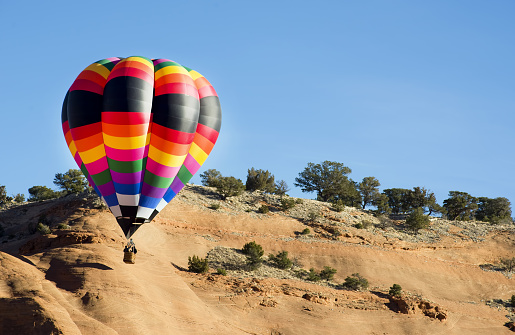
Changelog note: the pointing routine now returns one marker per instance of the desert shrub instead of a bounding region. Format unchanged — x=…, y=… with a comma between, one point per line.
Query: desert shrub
x=363, y=224
x=197, y=264
x=306, y=231
x=301, y=273
x=263, y=209
x=313, y=216
x=281, y=188
x=299, y=201
x=281, y=260
x=338, y=205
x=229, y=187
x=210, y=177
x=254, y=253
x=313, y=275
x=508, y=263
x=355, y=282
x=512, y=301
x=38, y=193
x=71, y=182
x=417, y=220
x=221, y=271
x=19, y=198
x=214, y=206
x=327, y=273
x=43, y=228
x=336, y=233
x=63, y=226
x=287, y=203
x=260, y=180
x=395, y=290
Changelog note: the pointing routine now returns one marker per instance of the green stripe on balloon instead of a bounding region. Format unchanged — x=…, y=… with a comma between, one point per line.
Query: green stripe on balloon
x=126, y=166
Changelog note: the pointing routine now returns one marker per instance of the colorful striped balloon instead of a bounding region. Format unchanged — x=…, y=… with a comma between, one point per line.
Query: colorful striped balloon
x=139, y=129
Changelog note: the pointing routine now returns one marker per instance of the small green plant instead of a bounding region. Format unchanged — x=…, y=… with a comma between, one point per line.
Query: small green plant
x=287, y=203
x=63, y=226
x=263, y=209
x=306, y=231
x=395, y=290
x=43, y=228
x=301, y=273
x=338, y=205
x=327, y=273
x=221, y=271
x=363, y=224
x=508, y=263
x=214, y=206
x=197, y=264
x=299, y=201
x=313, y=216
x=313, y=275
x=417, y=220
x=281, y=260
x=19, y=198
x=355, y=282
x=254, y=253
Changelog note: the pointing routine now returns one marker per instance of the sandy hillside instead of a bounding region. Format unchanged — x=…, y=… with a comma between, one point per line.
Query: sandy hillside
x=73, y=281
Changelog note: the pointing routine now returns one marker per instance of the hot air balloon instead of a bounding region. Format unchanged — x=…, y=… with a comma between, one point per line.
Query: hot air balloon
x=139, y=129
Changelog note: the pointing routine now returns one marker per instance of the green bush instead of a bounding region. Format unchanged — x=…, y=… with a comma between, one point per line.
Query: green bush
x=313, y=216
x=313, y=275
x=417, y=220
x=508, y=263
x=363, y=224
x=299, y=201
x=281, y=260
x=355, y=282
x=221, y=271
x=43, y=229
x=197, y=264
x=395, y=290
x=306, y=231
x=254, y=253
x=63, y=226
x=214, y=206
x=287, y=203
x=229, y=187
x=327, y=273
x=19, y=198
x=338, y=205
x=260, y=180
x=263, y=209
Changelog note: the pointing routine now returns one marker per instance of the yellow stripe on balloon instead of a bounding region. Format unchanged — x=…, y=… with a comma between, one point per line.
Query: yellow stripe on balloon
x=195, y=75
x=92, y=155
x=164, y=158
x=125, y=143
x=169, y=70
x=73, y=148
x=197, y=153
x=141, y=60
x=98, y=68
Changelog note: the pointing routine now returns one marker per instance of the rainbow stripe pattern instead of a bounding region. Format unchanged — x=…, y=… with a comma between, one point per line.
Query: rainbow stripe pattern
x=139, y=129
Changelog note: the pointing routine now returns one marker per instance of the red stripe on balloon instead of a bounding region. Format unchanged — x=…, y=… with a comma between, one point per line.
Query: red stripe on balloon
x=207, y=132
x=125, y=118
x=177, y=88
x=86, y=131
x=86, y=85
x=172, y=135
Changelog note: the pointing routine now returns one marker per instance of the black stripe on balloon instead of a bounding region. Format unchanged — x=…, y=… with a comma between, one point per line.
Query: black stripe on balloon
x=176, y=111
x=153, y=215
x=210, y=112
x=84, y=108
x=128, y=94
x=129, y=211
x=64, y=111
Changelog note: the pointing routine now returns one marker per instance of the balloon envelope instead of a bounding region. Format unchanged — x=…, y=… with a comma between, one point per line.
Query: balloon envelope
x=139, y=129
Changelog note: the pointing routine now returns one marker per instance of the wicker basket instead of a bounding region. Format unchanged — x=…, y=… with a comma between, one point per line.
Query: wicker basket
x=129, y=257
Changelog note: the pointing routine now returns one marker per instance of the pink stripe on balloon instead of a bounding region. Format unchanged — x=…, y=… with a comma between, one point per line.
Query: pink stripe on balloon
x=157, y=61
x=86, y=85
x=97, y=166
x=78, y=160
x=191, y=164
x=106, y=189
x=151, y=191
x=126, y=178
x=207, y=91
x=125, y=155
x=161, y=170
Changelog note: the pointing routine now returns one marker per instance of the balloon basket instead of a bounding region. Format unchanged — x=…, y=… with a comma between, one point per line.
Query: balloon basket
x=129, y=257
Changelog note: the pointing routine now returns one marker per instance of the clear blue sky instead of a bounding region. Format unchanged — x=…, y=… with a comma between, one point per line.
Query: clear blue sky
x=415, y=93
